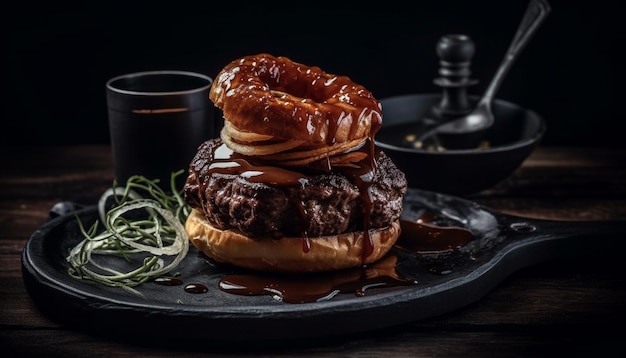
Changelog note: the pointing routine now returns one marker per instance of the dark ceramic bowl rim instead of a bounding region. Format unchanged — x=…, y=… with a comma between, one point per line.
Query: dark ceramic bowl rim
x=538, y=135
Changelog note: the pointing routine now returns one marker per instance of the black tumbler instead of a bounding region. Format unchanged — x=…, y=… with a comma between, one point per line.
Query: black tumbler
x=157, y=120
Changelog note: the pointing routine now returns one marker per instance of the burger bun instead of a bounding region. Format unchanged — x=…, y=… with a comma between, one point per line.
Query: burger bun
x=289, y=254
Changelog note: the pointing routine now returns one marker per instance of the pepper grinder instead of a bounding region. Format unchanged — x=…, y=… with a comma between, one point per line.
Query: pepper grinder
x=455, y=53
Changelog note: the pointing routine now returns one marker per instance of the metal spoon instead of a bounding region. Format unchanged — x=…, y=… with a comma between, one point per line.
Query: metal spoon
x=467, y=131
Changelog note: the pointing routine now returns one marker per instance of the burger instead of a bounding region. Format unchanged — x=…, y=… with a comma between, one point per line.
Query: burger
x=294, y=183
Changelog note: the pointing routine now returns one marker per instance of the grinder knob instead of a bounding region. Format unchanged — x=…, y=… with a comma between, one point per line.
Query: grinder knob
x=455, y=53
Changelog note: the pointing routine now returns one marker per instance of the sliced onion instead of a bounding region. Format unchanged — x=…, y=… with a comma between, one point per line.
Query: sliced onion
x=117, y=191
x=122, y=232
x=180, y=243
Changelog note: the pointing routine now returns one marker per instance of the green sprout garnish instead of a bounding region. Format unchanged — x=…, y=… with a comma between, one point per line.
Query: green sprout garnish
x=143, y=236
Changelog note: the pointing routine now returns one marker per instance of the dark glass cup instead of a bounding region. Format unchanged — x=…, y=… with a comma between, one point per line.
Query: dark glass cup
x=157, y=120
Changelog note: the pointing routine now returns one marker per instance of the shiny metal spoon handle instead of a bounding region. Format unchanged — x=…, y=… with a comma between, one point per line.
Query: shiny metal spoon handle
x=536, y=12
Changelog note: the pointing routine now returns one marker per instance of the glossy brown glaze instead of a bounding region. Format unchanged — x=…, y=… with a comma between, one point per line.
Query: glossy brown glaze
x=168, y=281
x=279, y=97
x=226, y=161
x=420, y=236
x=360, y=173
x=317, y=287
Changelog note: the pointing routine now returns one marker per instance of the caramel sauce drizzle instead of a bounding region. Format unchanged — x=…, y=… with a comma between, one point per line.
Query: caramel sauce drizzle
x=305, y=288
x=422, y=236
x=317, y=287
x=361, y=173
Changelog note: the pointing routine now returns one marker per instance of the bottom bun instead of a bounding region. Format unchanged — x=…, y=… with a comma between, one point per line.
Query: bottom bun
x=288, y=254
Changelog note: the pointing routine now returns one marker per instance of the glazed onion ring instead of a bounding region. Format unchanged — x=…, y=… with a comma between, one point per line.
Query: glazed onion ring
x=286, y=100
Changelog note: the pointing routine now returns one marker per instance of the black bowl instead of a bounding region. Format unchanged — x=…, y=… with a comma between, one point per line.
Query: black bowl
x=514, y=135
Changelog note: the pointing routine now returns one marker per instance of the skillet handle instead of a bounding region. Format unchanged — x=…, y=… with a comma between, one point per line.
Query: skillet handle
x=64, y=208
x=552, y=239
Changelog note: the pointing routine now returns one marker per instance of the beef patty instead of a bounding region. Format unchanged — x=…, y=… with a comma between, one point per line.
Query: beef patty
x=327, y=204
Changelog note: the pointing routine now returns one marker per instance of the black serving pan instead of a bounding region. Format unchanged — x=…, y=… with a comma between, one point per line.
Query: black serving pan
x=503, y=245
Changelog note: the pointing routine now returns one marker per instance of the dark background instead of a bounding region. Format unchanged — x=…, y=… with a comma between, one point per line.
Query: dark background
x=58, y=57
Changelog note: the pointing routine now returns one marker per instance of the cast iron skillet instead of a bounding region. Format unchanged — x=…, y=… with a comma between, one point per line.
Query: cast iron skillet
x=512, y=138
x=445, y=281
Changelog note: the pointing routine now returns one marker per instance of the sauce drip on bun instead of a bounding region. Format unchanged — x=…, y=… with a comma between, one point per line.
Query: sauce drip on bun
x=294, y=183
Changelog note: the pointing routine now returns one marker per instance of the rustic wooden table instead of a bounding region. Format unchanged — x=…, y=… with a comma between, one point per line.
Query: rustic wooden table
x=569, y=306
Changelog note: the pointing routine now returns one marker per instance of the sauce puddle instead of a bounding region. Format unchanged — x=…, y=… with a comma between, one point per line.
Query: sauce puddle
x=420, y=237
x=417, y=236
x=317, y=287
